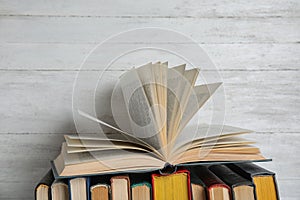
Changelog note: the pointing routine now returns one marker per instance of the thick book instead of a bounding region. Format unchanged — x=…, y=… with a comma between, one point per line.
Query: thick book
x=153, y=107
x=120, y=187
x=60, y=190
x=198, y=188
x=174, y=186
x=79, y=188
x=100, y=192
x=241, y=188
x=216, y=189
x=141, y=187
x=100, y=187
x=42, y=190
x=264, y=180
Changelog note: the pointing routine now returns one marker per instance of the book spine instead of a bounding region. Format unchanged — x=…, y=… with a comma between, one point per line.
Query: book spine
x=46, y=180
x=69, y=189
x=230, y=177
x=276, y=186
x=178, y=171
x=88, y=184
x=248, y=170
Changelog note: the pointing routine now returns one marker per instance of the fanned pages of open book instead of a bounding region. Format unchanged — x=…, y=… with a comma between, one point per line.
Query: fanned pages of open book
x=154, y=105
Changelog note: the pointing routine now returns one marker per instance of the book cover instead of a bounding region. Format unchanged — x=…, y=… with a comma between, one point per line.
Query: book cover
x=242, y=188
x=141, y=187
x=60, y=190
x=80, y=189
x=44, y=184
x=100, y=187
x=120, y=187
x=264, y=180
x=174, y=186
x=215, y=187
x=198, y=187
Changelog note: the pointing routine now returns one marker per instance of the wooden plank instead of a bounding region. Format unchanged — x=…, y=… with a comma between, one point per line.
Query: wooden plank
x=285, y=189
x=262, y=100
x=41, y=101
x=255, y=44
x=281, y=148
x=26, y=98
x=225, y=56
x=26, y=159
x=24, y=29
x=177, y=8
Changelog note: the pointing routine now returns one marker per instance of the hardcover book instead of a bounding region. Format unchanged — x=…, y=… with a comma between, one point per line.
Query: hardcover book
x=100, y=187
x=79, y=188
x=42, y=190
x=120, y=187
x=216, y=189
x=241, y=188
x=175, y=186
x=100, y=192
x=198, y=187
x=264, y=180
x=155, y=104
x=140, y=186
x=59, y=190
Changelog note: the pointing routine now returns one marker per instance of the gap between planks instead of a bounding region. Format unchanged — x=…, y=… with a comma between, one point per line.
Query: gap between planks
x=146, y=16
x=121, y=70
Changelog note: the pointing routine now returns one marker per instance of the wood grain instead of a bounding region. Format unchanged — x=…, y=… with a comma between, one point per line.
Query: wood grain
x=29, y=29
x=143, y=8
x=68, y=57
x=254, y=44
x=41, y=101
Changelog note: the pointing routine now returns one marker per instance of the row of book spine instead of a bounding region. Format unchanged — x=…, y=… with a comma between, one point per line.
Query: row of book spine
x=243, y=181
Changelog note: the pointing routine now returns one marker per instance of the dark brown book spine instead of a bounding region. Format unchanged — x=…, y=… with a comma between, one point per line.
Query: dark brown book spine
x=230, y=177
x=209, y=179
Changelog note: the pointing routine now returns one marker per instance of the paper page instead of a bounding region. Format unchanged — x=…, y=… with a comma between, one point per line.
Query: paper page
x=201, y=93
x=186, y=85
x=98, y=143
x=71, y=149
x=116, y=154
x=147, y=80
x=214, y=142
x=127, y=135
x=120, y=113
x=160, y=75
x=175, y=75
x=142, y=119
x=205, y=132
x=110, y=137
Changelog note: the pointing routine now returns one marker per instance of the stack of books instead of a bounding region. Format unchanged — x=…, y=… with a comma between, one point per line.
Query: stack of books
x=242, y=181
x=152, y=106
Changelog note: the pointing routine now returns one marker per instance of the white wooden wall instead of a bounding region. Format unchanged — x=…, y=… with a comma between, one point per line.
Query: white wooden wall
x=255, y=44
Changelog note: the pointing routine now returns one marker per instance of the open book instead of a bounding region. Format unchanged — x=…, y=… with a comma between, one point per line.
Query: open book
x=153, y=107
